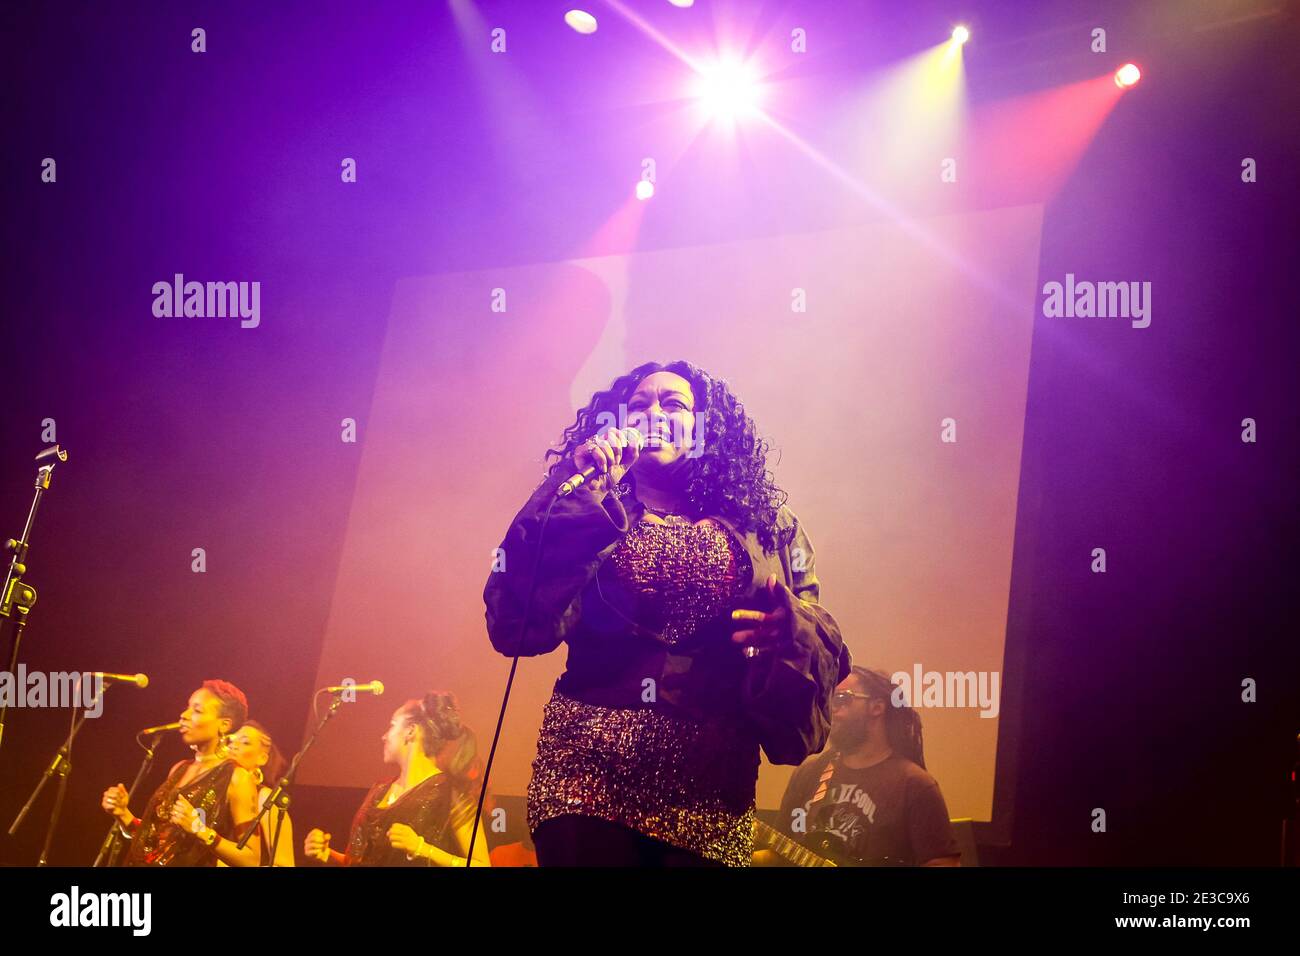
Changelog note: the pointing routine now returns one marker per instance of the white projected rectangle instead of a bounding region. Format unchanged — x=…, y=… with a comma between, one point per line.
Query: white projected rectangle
x=886, y=363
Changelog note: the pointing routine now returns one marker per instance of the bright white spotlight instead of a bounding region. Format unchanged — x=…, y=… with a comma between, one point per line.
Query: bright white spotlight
x=1127, y=75
x=728, y=89
x=644, y=189
x=682, y=3
x=960, y=35
x=581, y=20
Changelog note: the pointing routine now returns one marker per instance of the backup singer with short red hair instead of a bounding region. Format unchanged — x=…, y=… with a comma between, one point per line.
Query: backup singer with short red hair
x=195, y=816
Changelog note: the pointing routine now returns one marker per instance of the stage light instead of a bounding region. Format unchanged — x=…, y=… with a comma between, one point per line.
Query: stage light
x=644, y=189
x=1127, y=75
x=682, y=3
x=581, y=20
x=960, y=35
x=728, y=89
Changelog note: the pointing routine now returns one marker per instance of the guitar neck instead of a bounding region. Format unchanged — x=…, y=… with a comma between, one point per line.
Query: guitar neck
x=786, y=848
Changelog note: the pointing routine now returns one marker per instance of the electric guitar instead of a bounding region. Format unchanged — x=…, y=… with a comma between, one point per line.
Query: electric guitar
x=829, y=852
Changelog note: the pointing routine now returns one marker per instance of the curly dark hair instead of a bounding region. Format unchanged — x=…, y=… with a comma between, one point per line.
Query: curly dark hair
x=729, y=478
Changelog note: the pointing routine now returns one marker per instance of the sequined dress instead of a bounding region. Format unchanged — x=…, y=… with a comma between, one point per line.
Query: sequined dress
x=159, y=842
x=426, y=808
x=687, y=781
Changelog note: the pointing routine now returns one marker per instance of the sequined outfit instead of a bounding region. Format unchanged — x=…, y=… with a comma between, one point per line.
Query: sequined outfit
x=686, y=780
x=425, y=808
x=159, y=842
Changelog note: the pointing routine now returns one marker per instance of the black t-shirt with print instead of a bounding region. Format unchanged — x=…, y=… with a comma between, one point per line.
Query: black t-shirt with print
x=891, y=813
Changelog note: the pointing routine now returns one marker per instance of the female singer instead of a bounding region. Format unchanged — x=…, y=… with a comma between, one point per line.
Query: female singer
x=194, y=818
x=253, y=749
x=424, y=816
x=649, y=748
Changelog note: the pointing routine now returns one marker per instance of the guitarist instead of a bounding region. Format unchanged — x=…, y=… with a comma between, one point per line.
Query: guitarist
x=868, y=800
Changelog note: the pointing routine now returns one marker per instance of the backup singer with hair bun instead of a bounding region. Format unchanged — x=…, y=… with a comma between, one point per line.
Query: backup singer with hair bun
x=425, y=815
x=649, y=748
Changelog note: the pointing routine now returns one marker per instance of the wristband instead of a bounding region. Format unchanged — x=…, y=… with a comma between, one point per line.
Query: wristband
x=209, y=836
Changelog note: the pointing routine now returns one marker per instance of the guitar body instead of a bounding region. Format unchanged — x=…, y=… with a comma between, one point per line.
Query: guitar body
x=822, y=849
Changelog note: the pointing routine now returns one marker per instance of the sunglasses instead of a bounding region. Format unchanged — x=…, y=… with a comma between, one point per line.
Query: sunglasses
x=845, y=696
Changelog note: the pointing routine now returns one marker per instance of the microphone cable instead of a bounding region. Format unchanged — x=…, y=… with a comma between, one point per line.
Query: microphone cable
x=514, y=665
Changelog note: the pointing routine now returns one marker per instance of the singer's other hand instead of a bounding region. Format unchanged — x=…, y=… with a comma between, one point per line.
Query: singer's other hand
x=402, y=837
x=114, y=803
x=610, y=452
x=317, y=845
x=185, y=816
x=765, y=628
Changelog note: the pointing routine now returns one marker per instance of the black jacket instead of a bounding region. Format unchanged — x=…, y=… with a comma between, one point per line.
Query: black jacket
x=783, y=693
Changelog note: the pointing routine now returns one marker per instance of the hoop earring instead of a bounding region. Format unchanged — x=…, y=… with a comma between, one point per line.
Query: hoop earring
x=257, y=775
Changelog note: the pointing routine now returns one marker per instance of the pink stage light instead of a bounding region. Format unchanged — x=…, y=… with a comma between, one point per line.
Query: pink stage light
x=1127, y=76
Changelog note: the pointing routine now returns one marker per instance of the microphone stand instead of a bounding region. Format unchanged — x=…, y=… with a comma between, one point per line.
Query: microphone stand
x=1290, y=819
x=62, y=766
x=280, y=796
x=17, y=598
x=112, y=845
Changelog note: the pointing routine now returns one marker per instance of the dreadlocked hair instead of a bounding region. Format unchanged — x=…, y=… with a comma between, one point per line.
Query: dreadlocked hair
x=902, y=723
x=437, y=714
x=728, y=478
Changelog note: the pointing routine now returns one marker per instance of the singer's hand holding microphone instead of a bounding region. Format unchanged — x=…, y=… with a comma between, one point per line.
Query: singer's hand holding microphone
x=603, y=460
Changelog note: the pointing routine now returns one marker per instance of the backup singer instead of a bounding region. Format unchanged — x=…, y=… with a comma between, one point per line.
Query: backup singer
x=195, y=817
x=253, y=749
x=649, y=748
x=424, y=816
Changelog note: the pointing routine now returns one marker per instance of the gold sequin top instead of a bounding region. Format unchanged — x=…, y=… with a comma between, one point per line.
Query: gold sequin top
x=159, y=842
x=682, y=573
x=425, y=808
x=685, y=780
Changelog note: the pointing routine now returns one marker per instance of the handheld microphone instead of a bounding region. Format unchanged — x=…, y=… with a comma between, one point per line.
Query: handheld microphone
x=139, y=680
x=582, y=477
x=375, y=687
x=160, y=729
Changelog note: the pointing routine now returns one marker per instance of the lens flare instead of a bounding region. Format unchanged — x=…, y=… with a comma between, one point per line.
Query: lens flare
x=728, y=89
x=581, y=20
x=1127, y=75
